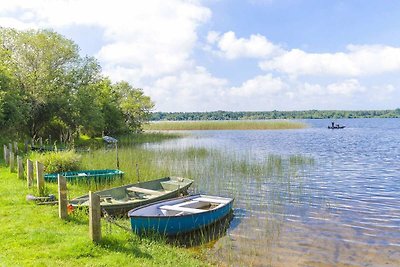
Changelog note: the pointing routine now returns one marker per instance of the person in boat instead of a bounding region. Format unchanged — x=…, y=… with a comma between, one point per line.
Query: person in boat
x=333, y=124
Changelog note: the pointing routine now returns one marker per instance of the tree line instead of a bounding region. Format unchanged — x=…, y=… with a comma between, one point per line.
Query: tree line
x=266, y=115
x=47, y=88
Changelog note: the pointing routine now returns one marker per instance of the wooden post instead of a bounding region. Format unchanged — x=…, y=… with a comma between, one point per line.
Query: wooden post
x=62, y=197
x=10, y=147
x=40, y=177
x=12, y=161
x=29, y=172
x=20, y=168
x=16, y=148
x=26, y=147
x=94, y=217
x=6, y=155
x=41, y=142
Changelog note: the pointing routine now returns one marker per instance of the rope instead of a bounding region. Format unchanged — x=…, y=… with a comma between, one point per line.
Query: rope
x=111, y=220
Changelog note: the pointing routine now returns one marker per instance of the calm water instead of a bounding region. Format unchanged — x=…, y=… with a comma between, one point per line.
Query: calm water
x=342, y=211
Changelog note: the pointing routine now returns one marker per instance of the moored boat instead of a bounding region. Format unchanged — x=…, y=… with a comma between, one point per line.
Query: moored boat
x=119, y=200
x=181, y=215
x=336, y=127
x=86, y=176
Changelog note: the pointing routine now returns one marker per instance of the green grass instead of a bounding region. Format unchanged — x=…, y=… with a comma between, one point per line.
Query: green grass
x=225, y=125
x=33, y=235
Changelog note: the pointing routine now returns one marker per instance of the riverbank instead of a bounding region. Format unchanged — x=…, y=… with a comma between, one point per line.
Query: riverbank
x=225, y=125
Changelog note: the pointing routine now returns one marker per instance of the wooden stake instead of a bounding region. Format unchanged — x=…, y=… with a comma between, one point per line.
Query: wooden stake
x=16, y=148
x=29, y=172
x=41, y=142
x=62, y=197
x=20, y=168
x=12, y=161
x=94, y=217
x=40, y=177
x=6, y=155
x=26, y=147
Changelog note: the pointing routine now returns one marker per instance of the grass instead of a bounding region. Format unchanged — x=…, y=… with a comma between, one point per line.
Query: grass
x=33, y=235
x=225, y=125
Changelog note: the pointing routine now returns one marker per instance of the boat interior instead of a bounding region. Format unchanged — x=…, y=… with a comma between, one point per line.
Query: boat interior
x=193, y=206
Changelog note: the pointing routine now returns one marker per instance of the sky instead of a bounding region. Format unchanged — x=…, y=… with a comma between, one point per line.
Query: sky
x=248, y=55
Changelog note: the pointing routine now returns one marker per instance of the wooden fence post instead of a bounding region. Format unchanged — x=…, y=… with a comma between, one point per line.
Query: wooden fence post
x=94, y=217
x=40, y=177
x=26, y=146
x=6, y=155
x=62, y=197
x=41, y=142
x=10, y=147
x=12, y=161
x=20, y=168
x=29, y=172
x=16, y=148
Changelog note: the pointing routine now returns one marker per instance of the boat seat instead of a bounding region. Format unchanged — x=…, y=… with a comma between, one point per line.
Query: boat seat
x=144, y=190
x=184, y=209
x=213, y=200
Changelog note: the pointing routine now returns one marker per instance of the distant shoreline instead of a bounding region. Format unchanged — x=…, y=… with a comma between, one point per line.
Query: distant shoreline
x=270, y=115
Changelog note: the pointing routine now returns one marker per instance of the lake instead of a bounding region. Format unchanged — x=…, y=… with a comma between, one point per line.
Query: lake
x=339, y=207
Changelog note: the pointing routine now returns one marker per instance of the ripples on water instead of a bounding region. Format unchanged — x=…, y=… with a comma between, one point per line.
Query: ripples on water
x=342, y=209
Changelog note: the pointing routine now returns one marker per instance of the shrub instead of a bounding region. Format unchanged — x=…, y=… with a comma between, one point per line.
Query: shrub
x=60, y=161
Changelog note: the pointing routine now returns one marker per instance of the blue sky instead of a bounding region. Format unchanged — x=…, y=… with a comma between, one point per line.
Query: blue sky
x=235, y=55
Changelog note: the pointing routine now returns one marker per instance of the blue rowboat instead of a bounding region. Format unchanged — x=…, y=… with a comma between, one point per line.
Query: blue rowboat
x=86, y=176
x=181, y=215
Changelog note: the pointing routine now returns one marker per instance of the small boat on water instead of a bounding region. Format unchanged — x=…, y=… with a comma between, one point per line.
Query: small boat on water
x=86, y=176
x=119, y=200
x=181, y=215
x=336, y=127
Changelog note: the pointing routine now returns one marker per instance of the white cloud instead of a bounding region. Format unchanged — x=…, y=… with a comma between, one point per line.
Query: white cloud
x=231, y=47
x=265, y=85
x=152, y=37
x=356, y=61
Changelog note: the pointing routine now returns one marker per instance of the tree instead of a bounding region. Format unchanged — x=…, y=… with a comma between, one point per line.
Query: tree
x=135, y=106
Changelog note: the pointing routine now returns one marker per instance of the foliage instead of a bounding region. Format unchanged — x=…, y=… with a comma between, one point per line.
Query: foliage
x=47, y=88
x=60, y=161
x=266, y=115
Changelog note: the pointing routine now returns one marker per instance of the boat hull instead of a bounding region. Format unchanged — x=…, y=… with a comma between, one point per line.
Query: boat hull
x=167, y=188
x=174, y=225
x=86, y=176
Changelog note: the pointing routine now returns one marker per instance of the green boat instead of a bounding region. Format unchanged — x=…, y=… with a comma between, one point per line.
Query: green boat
x=118, y=201
x=86, y=176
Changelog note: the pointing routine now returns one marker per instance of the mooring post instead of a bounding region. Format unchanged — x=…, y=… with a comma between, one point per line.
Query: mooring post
x=29, y=172
x=40, y=177
x=94, y=217
x=20, y=167
x=12, y=161
x=62, y=197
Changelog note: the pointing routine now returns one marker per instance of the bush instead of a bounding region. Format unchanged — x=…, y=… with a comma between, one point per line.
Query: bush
x=60, y=161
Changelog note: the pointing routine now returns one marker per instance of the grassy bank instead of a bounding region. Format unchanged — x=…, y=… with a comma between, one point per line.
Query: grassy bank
x=225, y=125
x=33, y=235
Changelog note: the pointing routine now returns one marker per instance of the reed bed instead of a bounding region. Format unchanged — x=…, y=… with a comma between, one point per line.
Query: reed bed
x=225, y=125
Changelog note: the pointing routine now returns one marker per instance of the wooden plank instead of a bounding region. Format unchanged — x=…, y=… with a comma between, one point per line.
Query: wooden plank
x=184, y=209
x=16, y=148
x=6, y=155
x=62, y=197
x=94, y=217
x=213, y=200
x=144, y=191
